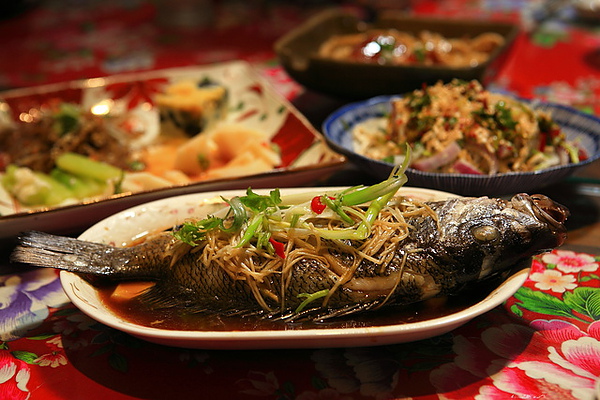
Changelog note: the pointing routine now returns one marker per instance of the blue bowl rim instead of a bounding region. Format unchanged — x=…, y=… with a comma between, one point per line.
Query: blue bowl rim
x=340, y=112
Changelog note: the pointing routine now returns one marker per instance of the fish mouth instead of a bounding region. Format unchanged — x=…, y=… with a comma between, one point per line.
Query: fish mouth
x=546, y=211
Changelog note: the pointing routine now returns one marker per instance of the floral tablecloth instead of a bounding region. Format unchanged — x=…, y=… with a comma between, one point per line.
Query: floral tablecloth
x=556, y=56
x=542, y=343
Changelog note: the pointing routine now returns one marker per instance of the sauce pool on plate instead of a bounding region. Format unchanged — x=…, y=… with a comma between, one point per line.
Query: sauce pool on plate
x=134, y=311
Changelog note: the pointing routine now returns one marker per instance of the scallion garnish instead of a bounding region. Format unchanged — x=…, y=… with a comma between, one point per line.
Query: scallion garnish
x=255, y=217
x=309, y=298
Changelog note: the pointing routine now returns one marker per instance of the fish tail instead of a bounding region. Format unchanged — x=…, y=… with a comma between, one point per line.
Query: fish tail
x=51, y=251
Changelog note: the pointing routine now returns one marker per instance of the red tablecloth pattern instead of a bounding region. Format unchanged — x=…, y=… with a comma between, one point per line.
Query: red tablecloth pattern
x=544, y=342
x=557, y=59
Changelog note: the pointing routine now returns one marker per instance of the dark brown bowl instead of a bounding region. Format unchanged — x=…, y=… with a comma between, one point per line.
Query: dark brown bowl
x=298, y=53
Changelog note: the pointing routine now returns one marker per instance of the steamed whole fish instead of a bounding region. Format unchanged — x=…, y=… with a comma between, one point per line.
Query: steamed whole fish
x=412, y=251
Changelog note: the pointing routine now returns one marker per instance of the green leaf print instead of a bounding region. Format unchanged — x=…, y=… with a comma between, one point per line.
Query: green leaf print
x=542, y=303
x=585, y=300
x=42, y=336
x=318, y=383
x=66, y=311
x=589, y=277
x=118, y=362
x=516, y=310
x=25, y=356
x=102, y=350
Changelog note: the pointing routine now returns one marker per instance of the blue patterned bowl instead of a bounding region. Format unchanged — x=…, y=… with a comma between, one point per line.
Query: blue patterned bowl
x=586, y=128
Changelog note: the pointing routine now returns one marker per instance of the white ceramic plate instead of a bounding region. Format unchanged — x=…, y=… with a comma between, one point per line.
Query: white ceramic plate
x=252, y=102
x=128, y=225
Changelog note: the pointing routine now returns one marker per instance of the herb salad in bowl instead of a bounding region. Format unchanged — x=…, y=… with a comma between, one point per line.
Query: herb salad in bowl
x=465, y=139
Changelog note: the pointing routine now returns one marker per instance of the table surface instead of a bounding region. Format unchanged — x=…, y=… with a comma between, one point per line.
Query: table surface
x=543, y=342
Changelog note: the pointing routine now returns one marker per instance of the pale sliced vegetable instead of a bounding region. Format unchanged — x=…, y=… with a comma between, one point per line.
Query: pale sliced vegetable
x=128, y=290
x=34, y=188
x=80, y=165
x=80, y=187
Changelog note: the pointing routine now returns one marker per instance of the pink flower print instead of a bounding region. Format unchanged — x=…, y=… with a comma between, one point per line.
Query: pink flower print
x=52, y=359
x=55, y=343
x=372, y=371
x=507, y=341
x=454, y=382
x=581, y=356
x=259, y=384
x=82, y=321
x=594, y=330
x=571, y=262
x=521, y=386
x=14, y=376
x=553, y=280
x=574, y=367
x=75, y=322
x=75, y=343
x=556, y=330
x=471, y=355
x=495, y=361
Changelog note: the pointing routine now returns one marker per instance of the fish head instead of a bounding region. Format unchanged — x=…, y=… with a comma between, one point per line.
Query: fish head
x=483, y=236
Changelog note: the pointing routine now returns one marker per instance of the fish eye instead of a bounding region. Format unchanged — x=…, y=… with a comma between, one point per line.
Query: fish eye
x=485, y=233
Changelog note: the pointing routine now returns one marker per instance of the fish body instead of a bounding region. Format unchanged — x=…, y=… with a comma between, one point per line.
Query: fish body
x=458, y=242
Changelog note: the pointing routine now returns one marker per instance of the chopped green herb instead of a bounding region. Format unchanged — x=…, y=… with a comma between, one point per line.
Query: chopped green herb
x=66, y=119
x=203, y=162
x=193, y=232
x=260, y=203
x=309, y=298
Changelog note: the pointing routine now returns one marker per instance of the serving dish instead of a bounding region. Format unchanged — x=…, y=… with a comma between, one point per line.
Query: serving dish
x=587, y=10
x=298, y=54
x=585, y=128
x=251, y=101
x=126, y=226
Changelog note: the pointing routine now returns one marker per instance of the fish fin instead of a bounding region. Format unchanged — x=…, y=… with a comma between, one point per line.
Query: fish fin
x=162, y=296
x=66, y=253
x=158, y=297
x=52, y=251
x=323, y=314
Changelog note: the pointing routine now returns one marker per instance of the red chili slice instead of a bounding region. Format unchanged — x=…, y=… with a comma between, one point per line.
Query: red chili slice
x=317, y=205
x=279, y=247
x=543, y=140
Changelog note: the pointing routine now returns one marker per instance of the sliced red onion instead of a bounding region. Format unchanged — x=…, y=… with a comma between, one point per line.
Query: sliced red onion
x=464, y=167
x=441, y=158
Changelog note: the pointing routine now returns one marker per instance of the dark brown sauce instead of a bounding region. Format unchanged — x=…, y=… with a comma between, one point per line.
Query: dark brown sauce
x=173, y=319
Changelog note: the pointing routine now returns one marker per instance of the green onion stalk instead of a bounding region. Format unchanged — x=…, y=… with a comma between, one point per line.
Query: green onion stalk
x=255, y=217
x=378, y=195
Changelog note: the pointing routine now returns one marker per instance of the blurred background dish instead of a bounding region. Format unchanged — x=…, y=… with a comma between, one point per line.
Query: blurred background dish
x=585, y=128
x=587, y=10
x=133, y=100
x=298, y=52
